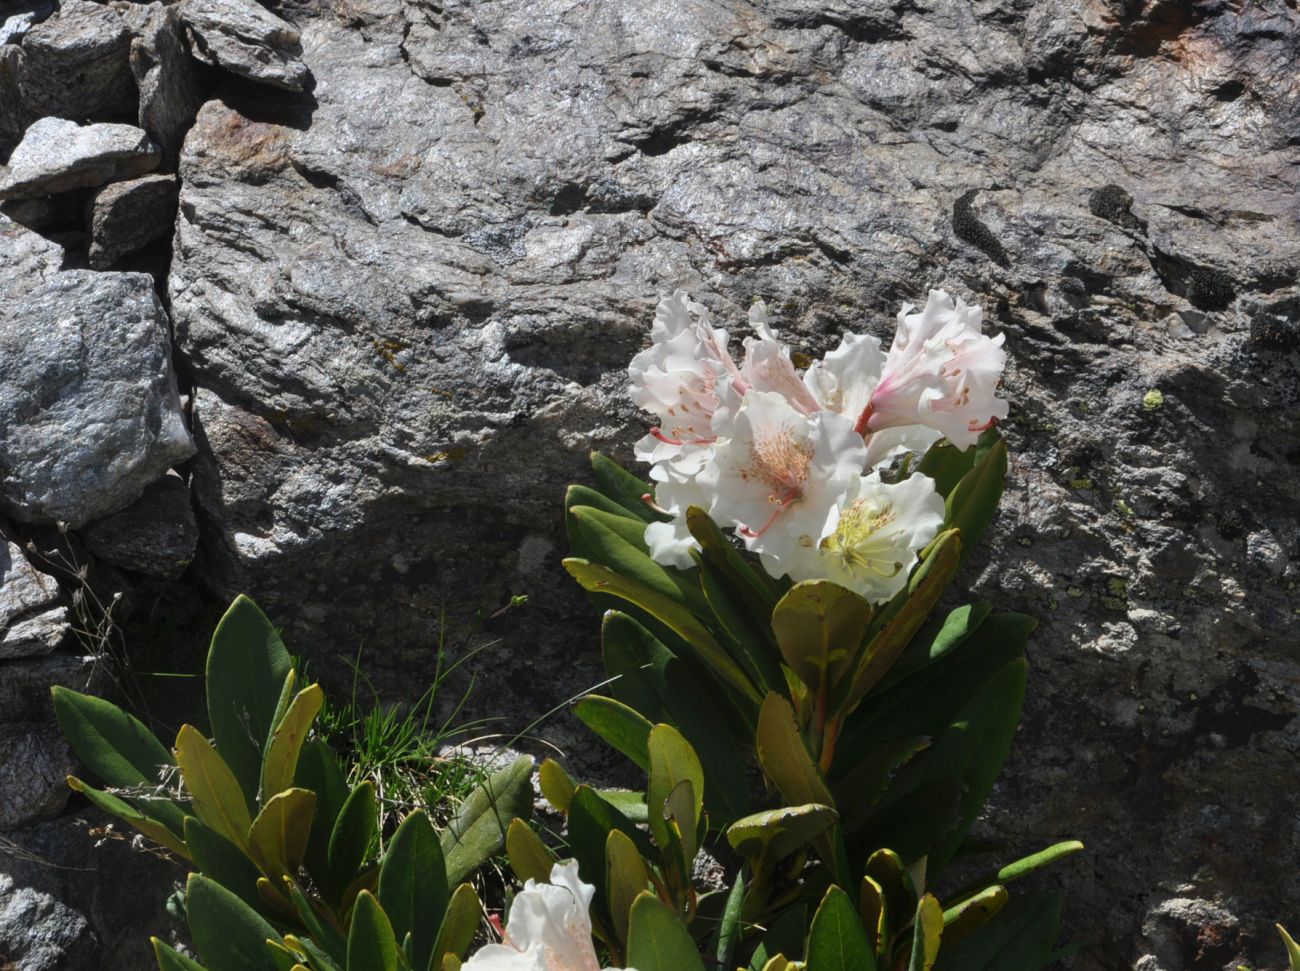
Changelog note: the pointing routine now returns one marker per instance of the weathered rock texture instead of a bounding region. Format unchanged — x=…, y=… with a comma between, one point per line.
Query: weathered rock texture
x=125, y=216
x=57, y=155
x=408, y=302
x=407, y=299
x=156, y=534
x=33, y=619
x=89, y=412
x=165, y=76
x=75, y=64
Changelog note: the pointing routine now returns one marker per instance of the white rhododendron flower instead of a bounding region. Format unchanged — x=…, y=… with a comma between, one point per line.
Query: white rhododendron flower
x=549, y=928
x=782, y=457
x=781, y=473
x=875, y=534
x=941, y=372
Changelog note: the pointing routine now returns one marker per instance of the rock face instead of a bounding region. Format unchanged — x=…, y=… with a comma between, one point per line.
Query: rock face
x=408, y=301
x=38, y=932
x=89, y=412
x=35, y=762
x=247, y=40
x=76, y=64
x=26, y=258
x=57, y=155
x=165, y=76
x=33, y=620
x=156, y=534
x=125, y=216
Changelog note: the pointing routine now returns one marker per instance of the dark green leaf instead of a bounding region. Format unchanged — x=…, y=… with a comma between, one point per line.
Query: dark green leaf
x=318, y=771
x=784, y=935
x=478, y=830
x=836, y=940
x=728, y=935
x=219, y=859
x=170, y=959
x=935, y=640
x=657, y=939
x=413, y=885
x=349, y=844
x=621, y=485
x=228, y=934
x=974, y=500
x=371, y=944
x=1019, y=938
x=246, y=671
x=622, y=727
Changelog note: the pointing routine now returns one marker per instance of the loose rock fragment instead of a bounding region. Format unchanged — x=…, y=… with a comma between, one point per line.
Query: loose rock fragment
x=25, y=684
x=75, y=64
x=156, y=534
x=34, y=765
x=246, y=40
x=89, y=412
x=57, y=155
x=27, y=259
x=165, y=74
x=125, y=216
x=33, y=621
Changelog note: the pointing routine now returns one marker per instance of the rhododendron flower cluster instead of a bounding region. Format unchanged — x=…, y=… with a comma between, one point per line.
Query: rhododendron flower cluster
x=549, y=928
x=796, y=462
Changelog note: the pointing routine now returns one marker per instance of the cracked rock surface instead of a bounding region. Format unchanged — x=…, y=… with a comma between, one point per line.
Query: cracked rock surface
x=408, y=301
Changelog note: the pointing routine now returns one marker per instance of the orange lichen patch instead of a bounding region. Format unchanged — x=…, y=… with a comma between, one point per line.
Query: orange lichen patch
x=240, y=142
x=399, y=167
x=388, y=350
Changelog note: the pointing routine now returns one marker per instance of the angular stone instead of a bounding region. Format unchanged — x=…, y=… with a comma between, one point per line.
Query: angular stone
x=125, y=216
x=38, y=932
x=247, y=40
x=25, y=684
x=156, y=534
x=89, y=412
x=164, y=73
x=76, y=64
x=35, y=763
x=57, y=155
x=27, y=259
x=33, y=620
x=19, y=22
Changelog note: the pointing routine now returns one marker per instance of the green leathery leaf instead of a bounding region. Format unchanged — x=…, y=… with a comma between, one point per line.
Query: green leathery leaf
x=626, y=877
x=221, y=860
x=119, y=749
x=880, y=652
x=459, y=925
x=629, y=802
x=776, y=833
x=1292, y=949
x=213, y=788
x=935, y=640
x=622, y=486
x=285, y=959
x=478, y=829
x=673, y=761
x=318, y=771
x=749, y=639
x=1019, y=868
x=321, y=924
x=317, y=959
x=413, y=885
x=246, y=670
x=785, y=935
x=973, y=501
x=875, y=916
x=750, y=582
x=650, y=679
x=620, y=544
x=591, y=819
x=350, y=839
x=128, y=813
x=657, y=939
x=962, y=919
x=556, y=785
x=169, y=959
x=729, y=930
x=581, y=495
x=836, y=940
x=975, y=748
x=598, y=578
x=281, y=761
x=1019, y=938
x=786, y=762
x=622, y=727
x=227, y=933
x=278, y=836
x=819, y=627
x=888, y=872
x=926, y=932
x=946, y=465
x=868, y=778
x=529, y=857
x=372, y=945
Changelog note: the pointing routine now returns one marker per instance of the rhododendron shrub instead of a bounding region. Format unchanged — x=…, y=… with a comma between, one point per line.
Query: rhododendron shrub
x=777, y=591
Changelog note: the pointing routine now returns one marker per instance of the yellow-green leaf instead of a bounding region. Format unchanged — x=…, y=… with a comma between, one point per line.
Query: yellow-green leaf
x=218, y=801
x=626, y=877
x=278, y=837
x=556, y=785
x=672, y=760
x=819, y=627
x=1292, y=949
x=777, y=833
x=960, y=920
x=926, y=934
x=459, y=923
x=528, y=855
x=123, y=810
x=281, y=760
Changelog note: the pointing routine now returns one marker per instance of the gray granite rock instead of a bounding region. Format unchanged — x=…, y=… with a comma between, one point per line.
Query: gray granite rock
x=408, y=305
x=124, y=216
x=56, y=155
x=25, y=683
x=33, y=618
x=156, y=534
x=19, y=18
x=34, y=765
x=27, y=259
x=38, y=932
x=75, y=64
x=13, y=119
x=89, y=412
x=247, y=40
x=165, y=75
